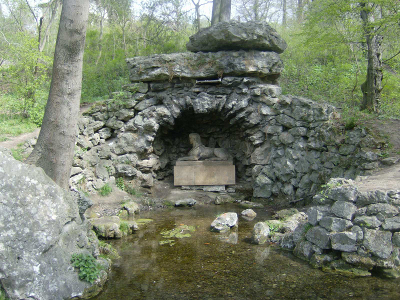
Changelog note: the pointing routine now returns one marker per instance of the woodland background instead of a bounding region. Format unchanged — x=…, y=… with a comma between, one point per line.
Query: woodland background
x=326, y=58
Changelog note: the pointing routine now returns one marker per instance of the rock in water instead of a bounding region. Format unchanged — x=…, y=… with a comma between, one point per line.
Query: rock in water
x=40, y=230
x=249, y=214
x=260, y=233
x=224, y=222
x=237, y=36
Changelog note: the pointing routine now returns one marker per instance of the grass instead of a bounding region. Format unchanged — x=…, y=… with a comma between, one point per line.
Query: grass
x=14, y=126
x=105, y=190
x=3, y=294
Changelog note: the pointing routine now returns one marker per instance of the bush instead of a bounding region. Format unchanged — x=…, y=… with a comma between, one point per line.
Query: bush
x=89, y=269
x=120, y=183
x=105, y=190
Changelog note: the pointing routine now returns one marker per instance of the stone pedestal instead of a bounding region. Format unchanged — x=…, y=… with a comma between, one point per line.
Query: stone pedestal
x=204, y=173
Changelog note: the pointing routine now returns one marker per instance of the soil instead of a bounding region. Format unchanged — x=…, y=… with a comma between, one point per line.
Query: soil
x=388, y=130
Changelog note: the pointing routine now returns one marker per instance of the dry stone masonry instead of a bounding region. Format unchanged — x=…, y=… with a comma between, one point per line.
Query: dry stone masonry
x=353, y=231
x=228, y=93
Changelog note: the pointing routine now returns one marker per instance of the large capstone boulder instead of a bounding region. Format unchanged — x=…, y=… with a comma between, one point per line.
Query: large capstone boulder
x=224, y=222
x=40, y=230
x=165, y=67
x=234, y=35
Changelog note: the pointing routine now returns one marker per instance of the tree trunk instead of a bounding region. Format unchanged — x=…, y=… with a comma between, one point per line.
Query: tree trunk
x=284, y=13
x=372, y=86
x=54, y=149
x=299, y=12
x=221, y=11
x=100, y=39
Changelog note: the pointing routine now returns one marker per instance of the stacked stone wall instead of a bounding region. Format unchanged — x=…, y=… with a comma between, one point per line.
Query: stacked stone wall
x=353, y=231
x=282, y=145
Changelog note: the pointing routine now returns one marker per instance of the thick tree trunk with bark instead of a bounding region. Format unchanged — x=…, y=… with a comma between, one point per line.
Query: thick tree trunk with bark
x=372, y=87
x=55, y=146
x=221, y=11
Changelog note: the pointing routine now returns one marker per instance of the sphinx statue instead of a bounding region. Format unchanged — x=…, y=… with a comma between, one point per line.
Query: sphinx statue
x=201, y=152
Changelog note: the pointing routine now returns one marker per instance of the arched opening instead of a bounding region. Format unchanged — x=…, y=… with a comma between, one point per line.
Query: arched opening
x=215, y=131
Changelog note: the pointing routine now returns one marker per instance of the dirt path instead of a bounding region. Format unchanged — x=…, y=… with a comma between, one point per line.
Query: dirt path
x=14, y=141
x=387, y=179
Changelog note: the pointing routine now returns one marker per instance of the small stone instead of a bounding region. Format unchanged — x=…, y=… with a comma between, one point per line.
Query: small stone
x=260, y=233
x=131, y=207
x=185, y=202
x=224, y=222
x=249, y=213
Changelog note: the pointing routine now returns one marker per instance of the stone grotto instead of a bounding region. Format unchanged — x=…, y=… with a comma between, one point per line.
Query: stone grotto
x=226, y=90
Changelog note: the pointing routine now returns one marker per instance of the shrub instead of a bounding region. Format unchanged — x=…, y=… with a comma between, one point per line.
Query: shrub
x=89, y=269
x=120, y=183
x=105, y=190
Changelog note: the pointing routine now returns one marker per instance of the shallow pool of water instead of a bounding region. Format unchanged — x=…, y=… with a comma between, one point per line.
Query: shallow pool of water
x=209, y=265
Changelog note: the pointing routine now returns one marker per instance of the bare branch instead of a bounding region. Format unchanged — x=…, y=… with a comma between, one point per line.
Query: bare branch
x=32, y=12
x=391, y=57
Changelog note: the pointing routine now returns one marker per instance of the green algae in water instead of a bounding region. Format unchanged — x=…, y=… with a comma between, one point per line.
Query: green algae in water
x=143, y=221
x=180, y=232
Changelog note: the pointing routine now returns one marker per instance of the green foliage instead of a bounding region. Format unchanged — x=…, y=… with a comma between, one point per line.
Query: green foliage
x=18, y=154
x=307, y=227
x=120, y=183
x=274, y=227
x=89, y=269
x=105, y=190
x=326, y=57
x=124, y=226
x=3, y=295
x=108, y=251
x=130, y=189
x=26, y=76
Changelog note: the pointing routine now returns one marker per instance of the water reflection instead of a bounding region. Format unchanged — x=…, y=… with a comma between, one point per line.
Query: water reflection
x=213, y=266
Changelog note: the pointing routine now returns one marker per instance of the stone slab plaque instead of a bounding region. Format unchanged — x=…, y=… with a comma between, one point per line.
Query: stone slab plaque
x=204, y=173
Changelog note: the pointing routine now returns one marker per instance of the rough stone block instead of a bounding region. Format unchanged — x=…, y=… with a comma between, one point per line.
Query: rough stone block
x=392, y=224
x=344, y=241
x=335, y=224
x=204, y=173
x=378, y=242
x=320, y=237
x=367, y=221
x=343, y=209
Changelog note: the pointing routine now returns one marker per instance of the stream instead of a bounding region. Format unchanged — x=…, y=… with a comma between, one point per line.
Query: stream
x=210, y=265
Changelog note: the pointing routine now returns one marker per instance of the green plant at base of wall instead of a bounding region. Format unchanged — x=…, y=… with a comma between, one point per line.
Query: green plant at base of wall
x=3, y=295
x=105, y=190
x=124, y=227
x=120, y=183
x=89, y=269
